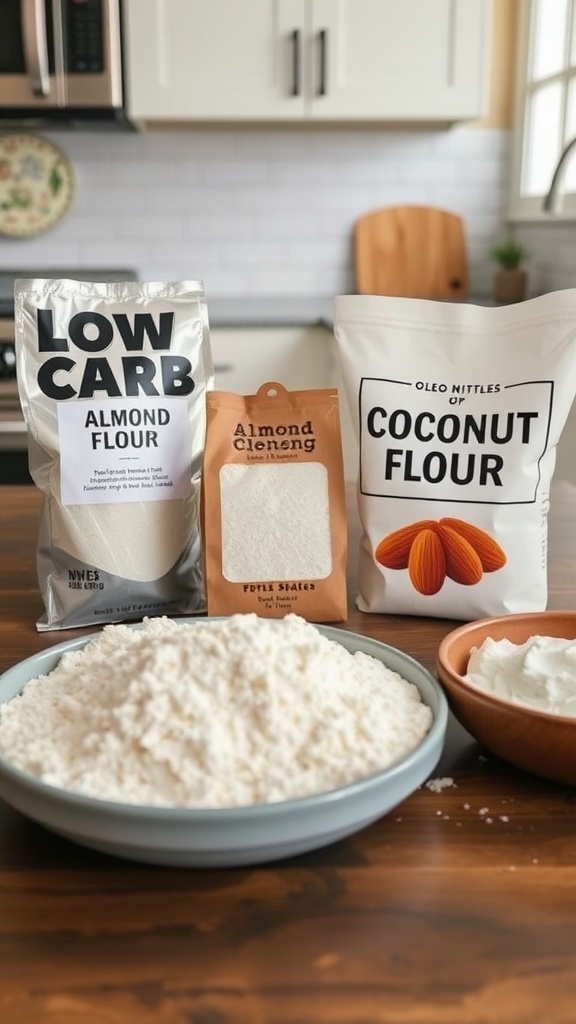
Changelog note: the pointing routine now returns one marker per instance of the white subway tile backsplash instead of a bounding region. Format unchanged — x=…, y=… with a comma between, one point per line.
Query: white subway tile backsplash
x=271, y=212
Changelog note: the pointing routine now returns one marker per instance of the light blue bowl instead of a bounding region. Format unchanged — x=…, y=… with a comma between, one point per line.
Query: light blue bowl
x=234, y=836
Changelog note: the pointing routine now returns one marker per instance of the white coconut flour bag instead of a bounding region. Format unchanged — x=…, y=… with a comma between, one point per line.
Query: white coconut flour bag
x=458, y=410
x=112, y=380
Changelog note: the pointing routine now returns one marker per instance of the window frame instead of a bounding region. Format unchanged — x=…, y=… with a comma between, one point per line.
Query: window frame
x=529, y=208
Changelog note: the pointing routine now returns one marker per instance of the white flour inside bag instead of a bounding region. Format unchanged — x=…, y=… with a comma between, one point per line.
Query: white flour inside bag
x=458, y=410
x=112, y=380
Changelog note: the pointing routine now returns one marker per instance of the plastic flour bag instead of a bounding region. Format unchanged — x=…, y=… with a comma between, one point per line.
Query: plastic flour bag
x=113, y=380
x=458, y=410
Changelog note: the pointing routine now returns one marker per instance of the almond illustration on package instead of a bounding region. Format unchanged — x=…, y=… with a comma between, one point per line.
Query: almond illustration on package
x=432, y=550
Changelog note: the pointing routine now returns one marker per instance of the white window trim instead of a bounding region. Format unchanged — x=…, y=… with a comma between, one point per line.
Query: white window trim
x=523, y=208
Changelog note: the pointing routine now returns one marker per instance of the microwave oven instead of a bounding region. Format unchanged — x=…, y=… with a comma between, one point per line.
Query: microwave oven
x=61, y=63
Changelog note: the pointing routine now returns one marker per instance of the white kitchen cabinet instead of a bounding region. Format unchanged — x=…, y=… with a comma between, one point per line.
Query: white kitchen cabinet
x=246, y=357
x=305, y=60
x=297, y=357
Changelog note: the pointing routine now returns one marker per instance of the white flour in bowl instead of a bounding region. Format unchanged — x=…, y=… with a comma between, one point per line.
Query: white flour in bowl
x=215, y=713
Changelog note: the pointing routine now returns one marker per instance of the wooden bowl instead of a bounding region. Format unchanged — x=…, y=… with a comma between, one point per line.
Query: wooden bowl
x=536, y=741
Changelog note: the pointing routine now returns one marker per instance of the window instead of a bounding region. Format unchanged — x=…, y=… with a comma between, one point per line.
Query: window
x=545, y=108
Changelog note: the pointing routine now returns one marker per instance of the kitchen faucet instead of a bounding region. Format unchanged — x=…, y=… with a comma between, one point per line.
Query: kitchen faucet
x=551, y=200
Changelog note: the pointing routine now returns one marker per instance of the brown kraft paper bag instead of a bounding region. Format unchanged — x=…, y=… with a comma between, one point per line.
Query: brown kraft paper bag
x=273, y=504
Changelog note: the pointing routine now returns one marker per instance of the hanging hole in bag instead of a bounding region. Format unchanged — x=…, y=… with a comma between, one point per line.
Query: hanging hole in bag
x=272, y=389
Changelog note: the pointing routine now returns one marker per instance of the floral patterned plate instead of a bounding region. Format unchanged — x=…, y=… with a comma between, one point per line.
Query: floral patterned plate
x=36, y=184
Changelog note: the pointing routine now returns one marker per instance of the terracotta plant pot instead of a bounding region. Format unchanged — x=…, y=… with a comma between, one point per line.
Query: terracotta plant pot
x=510, y=285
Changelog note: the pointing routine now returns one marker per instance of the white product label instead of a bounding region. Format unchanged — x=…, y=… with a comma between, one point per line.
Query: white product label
x=451, y=442
x=120, y=450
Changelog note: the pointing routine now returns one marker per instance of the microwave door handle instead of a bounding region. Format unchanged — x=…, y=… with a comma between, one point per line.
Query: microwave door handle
x=33, y=15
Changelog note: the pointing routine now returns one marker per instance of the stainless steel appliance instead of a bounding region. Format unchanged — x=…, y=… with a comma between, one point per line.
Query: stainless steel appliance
x=61, y=63
x=13, y=434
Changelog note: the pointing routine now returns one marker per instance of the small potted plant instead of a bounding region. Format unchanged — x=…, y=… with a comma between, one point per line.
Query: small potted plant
x=511, y=279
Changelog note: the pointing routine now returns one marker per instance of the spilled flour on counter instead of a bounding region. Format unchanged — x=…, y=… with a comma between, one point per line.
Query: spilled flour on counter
x=215, y=713
x=437, y=785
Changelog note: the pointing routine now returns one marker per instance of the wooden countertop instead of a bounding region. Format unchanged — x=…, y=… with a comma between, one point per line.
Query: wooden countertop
x=457, y=908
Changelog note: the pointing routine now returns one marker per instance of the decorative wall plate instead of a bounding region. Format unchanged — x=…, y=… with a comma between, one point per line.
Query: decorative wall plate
x=36, y=184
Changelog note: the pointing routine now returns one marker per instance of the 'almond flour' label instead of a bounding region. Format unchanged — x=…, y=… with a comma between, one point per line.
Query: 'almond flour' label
x=116, y=450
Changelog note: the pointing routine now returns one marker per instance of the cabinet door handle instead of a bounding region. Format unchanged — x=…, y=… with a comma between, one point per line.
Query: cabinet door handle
x=296, y=68
x=452, y=17
x=323, y=46
x=33, y=15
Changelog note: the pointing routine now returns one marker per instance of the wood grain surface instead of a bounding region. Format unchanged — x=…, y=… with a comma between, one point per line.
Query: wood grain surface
x=457, y=908
x=415, y=251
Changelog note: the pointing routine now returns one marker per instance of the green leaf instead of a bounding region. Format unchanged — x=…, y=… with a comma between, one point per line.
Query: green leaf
x=509, y=254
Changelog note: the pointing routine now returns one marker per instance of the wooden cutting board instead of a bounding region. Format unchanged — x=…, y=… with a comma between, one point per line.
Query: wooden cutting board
x=417, y=251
